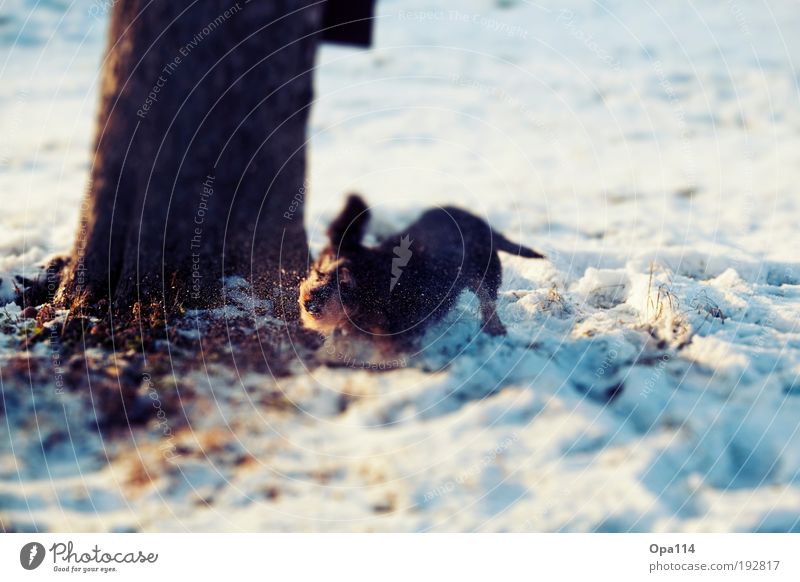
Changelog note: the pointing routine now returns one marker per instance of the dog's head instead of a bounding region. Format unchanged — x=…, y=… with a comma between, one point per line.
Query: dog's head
x=328, y=295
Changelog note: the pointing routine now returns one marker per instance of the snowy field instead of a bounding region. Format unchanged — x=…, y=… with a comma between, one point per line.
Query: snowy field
x=649, y=379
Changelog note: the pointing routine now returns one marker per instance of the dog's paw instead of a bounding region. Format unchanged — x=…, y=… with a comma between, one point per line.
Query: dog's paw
x=494, y=327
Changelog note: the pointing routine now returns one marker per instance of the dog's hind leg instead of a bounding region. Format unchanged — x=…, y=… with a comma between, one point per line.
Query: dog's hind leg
x=485, y=287
x=491, y=321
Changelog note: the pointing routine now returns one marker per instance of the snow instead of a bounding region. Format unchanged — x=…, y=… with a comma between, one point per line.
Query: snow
x=649, y=378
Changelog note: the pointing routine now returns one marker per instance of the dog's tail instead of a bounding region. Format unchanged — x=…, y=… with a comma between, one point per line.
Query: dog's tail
x=501, y=243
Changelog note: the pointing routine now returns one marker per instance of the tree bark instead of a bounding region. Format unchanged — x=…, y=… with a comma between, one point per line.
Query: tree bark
x=199, y=160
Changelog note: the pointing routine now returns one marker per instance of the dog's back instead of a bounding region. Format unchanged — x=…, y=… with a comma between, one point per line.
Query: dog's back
x=450, y=250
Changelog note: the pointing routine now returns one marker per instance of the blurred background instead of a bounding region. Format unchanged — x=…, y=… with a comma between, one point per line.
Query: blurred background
x=562, y=106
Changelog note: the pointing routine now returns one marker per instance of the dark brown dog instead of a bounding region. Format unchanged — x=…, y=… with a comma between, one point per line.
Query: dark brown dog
x=413, y=278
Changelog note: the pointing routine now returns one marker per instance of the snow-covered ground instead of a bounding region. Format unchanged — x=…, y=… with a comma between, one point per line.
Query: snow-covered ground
x=649, y=380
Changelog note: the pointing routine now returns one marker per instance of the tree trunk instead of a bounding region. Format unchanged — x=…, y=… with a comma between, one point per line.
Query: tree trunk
x=199, y=159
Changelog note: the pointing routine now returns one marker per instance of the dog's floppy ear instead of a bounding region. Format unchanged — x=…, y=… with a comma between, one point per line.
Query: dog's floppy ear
x=346, y=277
x=348, y=228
